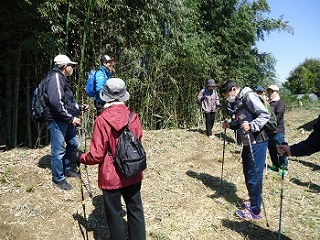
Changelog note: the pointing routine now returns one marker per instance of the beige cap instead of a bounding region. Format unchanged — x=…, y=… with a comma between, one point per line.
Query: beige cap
x=273, y=88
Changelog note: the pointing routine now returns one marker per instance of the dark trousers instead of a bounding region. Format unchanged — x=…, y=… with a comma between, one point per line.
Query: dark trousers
x=253, y=172
x=135, y=215
x=209, y=122
x=277, y=160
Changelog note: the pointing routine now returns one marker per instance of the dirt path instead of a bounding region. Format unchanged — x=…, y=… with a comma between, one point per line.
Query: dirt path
x=181, y=192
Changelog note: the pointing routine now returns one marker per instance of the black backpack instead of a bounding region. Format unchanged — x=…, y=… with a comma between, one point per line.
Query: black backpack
x=38, y=103
x=130, y=155
x=272, y=125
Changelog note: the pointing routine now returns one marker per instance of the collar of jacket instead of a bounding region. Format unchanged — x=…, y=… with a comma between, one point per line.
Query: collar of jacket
x=107, y=105
x=276, y=98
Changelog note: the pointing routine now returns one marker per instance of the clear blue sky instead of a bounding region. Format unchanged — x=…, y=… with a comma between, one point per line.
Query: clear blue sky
x=291, y=50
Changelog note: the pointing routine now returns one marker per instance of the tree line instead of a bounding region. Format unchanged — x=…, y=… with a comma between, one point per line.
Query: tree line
x=305, y=78
x=165, y=51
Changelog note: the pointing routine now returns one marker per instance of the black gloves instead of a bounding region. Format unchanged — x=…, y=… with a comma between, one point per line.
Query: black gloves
x=76, y=157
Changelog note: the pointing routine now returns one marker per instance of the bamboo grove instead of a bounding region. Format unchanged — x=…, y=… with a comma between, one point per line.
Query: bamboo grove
x=165, y=51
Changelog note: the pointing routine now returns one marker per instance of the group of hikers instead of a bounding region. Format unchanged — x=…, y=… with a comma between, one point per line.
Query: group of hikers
x=62, y=116
x=248, y=117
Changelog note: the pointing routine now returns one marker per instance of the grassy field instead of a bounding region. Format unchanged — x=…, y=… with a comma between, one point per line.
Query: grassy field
x=181, y=191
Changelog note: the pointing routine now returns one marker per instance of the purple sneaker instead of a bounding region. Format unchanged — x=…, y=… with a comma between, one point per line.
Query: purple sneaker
x=245, y=204
x=247, y=215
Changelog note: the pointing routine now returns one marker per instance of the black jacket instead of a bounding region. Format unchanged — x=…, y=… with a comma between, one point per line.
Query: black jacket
x=60, y=99
x=310, y=145
x=279, y=108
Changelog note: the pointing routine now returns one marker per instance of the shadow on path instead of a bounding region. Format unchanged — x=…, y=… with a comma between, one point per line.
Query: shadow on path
x=227, y=189
x=314, y=167
x=96, y=221
x=311, y=186
x=251, y=231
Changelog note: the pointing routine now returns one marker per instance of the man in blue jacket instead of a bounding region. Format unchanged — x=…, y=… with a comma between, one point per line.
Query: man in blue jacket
x=102, y=75
x=62, y=115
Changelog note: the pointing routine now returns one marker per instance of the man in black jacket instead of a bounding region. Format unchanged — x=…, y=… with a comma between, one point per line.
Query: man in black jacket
x=306, y=147
x=279, y=163
x=62, y=115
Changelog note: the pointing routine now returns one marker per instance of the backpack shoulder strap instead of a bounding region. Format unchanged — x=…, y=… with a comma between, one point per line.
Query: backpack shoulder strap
x=94, y=80
x=244, y=101
x=129, y=118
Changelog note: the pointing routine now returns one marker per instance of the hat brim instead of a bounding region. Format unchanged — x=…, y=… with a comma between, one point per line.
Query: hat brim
x=66, y=63
x=273, y=89
x=107, y=98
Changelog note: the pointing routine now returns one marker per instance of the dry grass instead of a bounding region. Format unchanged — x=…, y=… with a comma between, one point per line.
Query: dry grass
x=181, y=192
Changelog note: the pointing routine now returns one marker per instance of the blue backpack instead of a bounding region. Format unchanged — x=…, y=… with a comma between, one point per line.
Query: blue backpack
x=91, y=84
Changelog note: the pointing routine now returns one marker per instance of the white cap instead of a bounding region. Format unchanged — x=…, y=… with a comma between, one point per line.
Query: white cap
x=63, y=60
x=273, y=88
x=106, y=58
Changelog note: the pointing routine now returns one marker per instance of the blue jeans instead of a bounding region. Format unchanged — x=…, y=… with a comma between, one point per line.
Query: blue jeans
x=253, y=173
x=63, y=143
x=277, y=160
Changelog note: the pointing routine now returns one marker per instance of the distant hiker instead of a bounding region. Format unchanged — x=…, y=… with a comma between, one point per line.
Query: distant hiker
x=62, y=117
x=261, y=91
x=254, y=140
x=279, y=163
x=106, y=132
x=209, y=100
x=102, y=75
x=306, y=147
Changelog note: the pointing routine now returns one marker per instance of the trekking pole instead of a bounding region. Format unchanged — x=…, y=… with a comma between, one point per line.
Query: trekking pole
x=82, y=194
x=88, y=185
x=281, y=200
x=83, y=205
x=223, y=151
x=220, y=119
x=85, y=118
x=235, y=140
x=266, y=164
x=281, y=197
x=255, y=171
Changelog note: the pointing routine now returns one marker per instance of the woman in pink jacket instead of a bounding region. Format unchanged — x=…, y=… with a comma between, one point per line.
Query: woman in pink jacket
x=106, y=131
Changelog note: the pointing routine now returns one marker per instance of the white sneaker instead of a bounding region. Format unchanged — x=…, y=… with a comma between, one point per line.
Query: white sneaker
x=212, y=137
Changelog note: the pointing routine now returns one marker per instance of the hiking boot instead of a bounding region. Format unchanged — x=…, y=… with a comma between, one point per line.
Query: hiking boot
x=72, y=174
x=64, y=185
x=247, y=214
x=245, y=204
x=273, y=168
x=284, y=171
